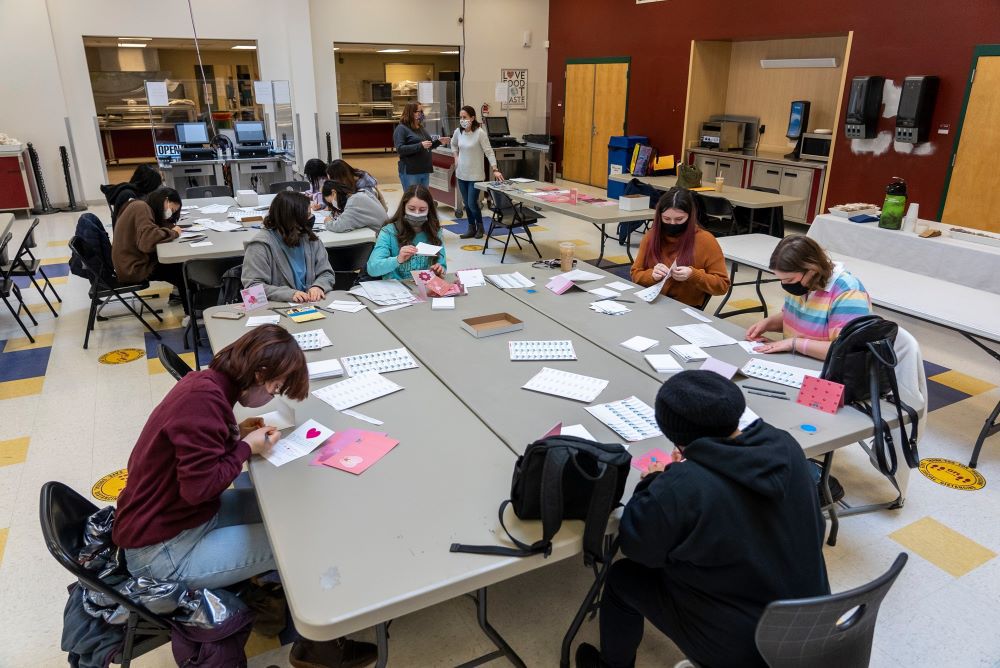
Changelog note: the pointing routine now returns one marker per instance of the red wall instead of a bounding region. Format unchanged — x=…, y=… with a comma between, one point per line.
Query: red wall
x=925, y=37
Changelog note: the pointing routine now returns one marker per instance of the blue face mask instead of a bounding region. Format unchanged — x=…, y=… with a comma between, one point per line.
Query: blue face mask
x=420, y=116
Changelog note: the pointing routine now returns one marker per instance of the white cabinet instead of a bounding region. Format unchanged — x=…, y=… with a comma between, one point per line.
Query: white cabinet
x=709, y=165
x=766, y=175
x=797, y=183
x=731, y=169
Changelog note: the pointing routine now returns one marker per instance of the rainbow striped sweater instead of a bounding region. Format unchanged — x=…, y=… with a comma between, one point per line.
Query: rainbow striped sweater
x=821, y=314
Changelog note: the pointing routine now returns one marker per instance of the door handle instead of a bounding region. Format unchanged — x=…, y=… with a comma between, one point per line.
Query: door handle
x=725, y=164
x=775, y=173
x=791, y=175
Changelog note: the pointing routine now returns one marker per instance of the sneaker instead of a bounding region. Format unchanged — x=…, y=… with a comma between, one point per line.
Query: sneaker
x=339, y=653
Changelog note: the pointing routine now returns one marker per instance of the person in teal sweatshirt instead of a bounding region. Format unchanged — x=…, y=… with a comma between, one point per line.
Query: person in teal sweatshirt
x=415, y=221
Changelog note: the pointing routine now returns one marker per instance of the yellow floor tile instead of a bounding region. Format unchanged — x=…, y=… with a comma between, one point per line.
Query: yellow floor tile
x=945, y=548
x=57, y=280
x=258, y=644
x=3, y=542
x=154, y=365
x=617, y=259
x=41, y=341
x=21, y=388
x=14, y=451
x=577, y=242
x=54, y=260
x=58, y=244
x=539, y=228
x=42, y=308
x=962, y=382
x=736, y=304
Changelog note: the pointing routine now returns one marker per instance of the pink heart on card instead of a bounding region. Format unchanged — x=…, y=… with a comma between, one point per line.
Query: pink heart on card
x=313, y=432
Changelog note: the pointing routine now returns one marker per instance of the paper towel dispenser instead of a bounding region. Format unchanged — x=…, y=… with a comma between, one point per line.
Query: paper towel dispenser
x=863, y=107
x=916, y=104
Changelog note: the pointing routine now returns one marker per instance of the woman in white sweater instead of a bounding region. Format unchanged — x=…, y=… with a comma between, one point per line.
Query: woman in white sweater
x=471, y=147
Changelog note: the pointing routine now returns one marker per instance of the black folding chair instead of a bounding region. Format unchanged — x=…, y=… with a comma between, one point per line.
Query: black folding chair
x=297, y=186
x=718, y=210
x=770, y=220
x=825, y=631
x=171, y=361
x=199, y=192
x=347, y=263
x=104, y=288
x=510, y=215
x=26, y=265
x=204, y=280
x=8, y=289
x=63, y=516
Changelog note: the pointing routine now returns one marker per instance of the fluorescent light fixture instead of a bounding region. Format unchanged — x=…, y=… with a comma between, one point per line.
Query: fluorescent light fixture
x=780, y=63
x=393, y=51
x=136, y=39
x=449, y=53
x=244, y=47
x=131, y=45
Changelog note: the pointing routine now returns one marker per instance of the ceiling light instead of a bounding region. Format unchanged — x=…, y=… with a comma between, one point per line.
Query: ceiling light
x=393, y=51
x=336, y=48
x=131, y=45
x=136, y=39
x=245, y=47
x=779, y=63
x=449, y=53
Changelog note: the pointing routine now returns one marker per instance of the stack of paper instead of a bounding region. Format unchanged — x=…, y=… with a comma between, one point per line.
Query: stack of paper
x=580, y=275
x=220, y=225
x=214, y=208
x=325, y=369
x=640, y=343
x=566, y=384
x=510, y=281
x=689, y=353
x=650, y=294
x=258, y=320
x=380, y=362
x=384, y=293
x=442, y=303
x=609, y=307
x=314, y=339
x=632, y=419
x=704, y=336
x=355, y=391
x=471, y=278
x=621, y=286
x=536, y=351
x=664, y=363
x=346, y=305
x=299, y=443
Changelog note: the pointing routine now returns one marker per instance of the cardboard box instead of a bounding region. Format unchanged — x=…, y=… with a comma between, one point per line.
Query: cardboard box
x=633, y=202
x=246, y=198
x=491, y=325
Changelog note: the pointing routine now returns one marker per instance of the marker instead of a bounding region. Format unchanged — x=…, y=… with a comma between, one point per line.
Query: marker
x=772, y=396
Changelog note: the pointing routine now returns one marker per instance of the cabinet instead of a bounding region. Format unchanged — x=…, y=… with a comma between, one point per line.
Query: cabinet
x=791, y=181
x=13, y=184
x=731, y=169
x=766, y=175
x=709, y=166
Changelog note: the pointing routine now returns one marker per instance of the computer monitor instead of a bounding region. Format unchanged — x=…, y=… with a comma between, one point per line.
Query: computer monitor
x=191, y=134
x=798, y=119
x=496, y=126
x=250, y=132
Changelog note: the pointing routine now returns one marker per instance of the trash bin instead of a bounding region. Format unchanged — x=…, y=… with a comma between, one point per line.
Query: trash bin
x=620, y=154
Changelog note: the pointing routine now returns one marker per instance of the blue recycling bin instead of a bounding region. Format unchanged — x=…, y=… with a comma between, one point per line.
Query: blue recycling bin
x=620, y=154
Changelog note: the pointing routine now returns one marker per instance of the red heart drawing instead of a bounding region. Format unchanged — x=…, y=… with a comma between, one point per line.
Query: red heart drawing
x=313, y=432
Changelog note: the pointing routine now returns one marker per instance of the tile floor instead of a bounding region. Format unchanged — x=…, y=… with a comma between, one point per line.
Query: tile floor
x=64, y=416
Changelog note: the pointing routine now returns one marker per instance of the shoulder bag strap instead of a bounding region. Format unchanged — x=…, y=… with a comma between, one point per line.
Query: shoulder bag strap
x=601, y=504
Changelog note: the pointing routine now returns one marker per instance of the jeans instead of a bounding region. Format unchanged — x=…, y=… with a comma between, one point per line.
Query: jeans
x=471, y=198
x=229, y=548
x=413, y=179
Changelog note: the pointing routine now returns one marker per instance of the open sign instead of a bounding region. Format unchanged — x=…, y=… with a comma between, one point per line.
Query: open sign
x=168, y=151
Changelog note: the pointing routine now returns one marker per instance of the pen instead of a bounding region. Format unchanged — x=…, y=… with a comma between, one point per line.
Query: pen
x=772, y=396
x=763, y=389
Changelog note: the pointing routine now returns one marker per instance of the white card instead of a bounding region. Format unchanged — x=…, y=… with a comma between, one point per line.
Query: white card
x=277, y=419
x=325, y=369
x=632, y=419
x=258, y=320
x=696, y=314
x=200, y=244
x=362, y=417
x=299, y=443
x=356, y=391
x=566, y=384
x=471, y=278
x=442, y=303
x=750, y=346
x=383, y=361
x=650, y=294
x=620, y=286
x=213, y=208
x=510, y=281
x=664, y=363
x=688, y=352
x=427, y=249
x=577, y=430
x=747, y=418
x=314, y=339
x=776, y=372
x=395, y=307
x=640, y=343
x=704, y=336
x=581, y=275
x=604, y=292
x=347, y=306
x=609, y=307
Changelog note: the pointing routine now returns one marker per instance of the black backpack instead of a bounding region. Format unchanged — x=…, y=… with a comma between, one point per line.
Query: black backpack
x=563, y=477
x=863, y=360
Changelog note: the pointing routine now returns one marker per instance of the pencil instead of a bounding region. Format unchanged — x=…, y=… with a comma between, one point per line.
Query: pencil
x=772, y=396
x=763, y=389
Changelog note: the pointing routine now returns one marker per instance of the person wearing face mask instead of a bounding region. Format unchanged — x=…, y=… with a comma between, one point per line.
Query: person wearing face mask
x=678, y=249
x=471, y=147
x=143, y=224
x=415, y=221
x=822, y=298
x=414, y=146
x=351, y=209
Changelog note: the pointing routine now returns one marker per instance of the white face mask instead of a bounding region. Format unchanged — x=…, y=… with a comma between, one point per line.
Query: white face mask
x=167, y=214
x=465, y=123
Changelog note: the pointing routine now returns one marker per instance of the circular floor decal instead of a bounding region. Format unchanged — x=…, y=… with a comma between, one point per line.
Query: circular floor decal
x=952, y=474
x=472, y=247
x=110, y=486
x=122, y=356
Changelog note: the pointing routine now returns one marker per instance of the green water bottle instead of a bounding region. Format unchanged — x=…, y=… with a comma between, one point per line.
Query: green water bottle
x=894, y=205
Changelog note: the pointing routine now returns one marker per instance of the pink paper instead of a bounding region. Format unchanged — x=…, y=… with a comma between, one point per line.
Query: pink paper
x=334, y=444
x=254, y=297
x=358, y=455
x=824, y=395
x=559, y=284
x=555, y=431
x=654, y=456
x=724, y=369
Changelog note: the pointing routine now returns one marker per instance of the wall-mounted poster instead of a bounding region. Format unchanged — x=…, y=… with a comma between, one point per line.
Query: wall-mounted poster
x=517, y=88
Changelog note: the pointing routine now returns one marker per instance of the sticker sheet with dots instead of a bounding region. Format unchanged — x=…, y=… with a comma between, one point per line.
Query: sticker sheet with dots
x=536, y=351
x=381, y=362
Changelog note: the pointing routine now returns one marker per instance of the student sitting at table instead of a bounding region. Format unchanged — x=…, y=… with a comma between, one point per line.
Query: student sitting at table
x=351, y=209
x=359, y=179
x=315, y=172
x=677, y=248
x=142, y=225
x=286, y=257
x=415, y=221
x=822, y=298
x=713, y=536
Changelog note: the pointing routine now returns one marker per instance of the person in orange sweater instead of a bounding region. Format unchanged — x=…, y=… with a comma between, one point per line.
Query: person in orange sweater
x=683, y=252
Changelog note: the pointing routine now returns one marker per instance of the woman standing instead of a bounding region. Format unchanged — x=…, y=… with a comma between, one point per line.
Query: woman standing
x=822, y=298
x=471, y=147
x=415, y=221
x=678, y=249
x=414, y=147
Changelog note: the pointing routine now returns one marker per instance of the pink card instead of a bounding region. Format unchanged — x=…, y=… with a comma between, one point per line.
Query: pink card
x=824, y=395
x=560, y=284
x=654, y=456
x=335, y=444
x=359, y=455
x=555, y=431
x=254, y=298
x=724, y=369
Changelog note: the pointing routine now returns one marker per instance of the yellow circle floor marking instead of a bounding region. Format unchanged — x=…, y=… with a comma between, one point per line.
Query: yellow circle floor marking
x=110, y=486
x=121, y=356
x=472, y=247
x=952, y=474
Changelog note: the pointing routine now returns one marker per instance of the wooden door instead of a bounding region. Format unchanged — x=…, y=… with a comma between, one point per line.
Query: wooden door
x=578, y=126
x=610, y=96
x=971, y=200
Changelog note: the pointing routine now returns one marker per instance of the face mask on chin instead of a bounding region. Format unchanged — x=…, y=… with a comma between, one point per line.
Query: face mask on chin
x=255, y=397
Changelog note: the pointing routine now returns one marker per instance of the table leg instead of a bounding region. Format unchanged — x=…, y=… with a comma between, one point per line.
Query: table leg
x=756, y=283
x=991, y=426
x=503, y=649
x=382, y=642
x=828, y=502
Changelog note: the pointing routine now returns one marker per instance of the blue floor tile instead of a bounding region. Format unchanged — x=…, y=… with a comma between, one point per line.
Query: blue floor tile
x=22, y=364
x=940, y=395
x=174, y=339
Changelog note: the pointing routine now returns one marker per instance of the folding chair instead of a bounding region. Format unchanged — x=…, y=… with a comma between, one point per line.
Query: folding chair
x=104, y=288
x=774, y=222
x=718, y=209
x=203, y=280
x=26, y=265
x=63, y=516
x=516, y=215
x=172, y=362
x=199, y=192
x=297, y=186
x=347, y=262
x=9, y=288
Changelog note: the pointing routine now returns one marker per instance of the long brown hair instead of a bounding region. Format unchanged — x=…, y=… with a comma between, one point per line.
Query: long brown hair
x=683, y=200
x=264, y=354
x=472, y=113
x=290, y=217
x=409, y=115
x=798, y=253
x=404, y=231
x=340, y=171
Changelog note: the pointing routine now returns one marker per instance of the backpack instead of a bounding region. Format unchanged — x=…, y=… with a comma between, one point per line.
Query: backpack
x=563, y=477
x=636, y=187
x=863, y=360
x=232, y=283
x=688, y=176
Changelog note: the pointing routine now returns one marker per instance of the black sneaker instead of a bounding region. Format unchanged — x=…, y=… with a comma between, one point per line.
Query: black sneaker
x=339, y=653
x=588, y=656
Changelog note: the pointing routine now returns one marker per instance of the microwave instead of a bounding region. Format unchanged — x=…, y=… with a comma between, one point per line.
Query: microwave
x=816, y=146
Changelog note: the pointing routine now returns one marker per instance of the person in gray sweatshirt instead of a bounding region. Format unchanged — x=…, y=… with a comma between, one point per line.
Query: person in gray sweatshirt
x=286, y=257
x=351, y=209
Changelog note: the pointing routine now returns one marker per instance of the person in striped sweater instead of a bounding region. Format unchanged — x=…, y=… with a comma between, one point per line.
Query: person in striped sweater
x=822, y=298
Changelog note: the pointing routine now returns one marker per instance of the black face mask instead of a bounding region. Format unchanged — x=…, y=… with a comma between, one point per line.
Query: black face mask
x=796, y=289
x=676, y=230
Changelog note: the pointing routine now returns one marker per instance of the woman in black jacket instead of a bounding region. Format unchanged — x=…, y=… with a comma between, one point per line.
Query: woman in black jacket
x=414, y=147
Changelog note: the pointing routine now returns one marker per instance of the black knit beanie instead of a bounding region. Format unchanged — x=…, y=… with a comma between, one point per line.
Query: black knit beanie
x=696, y=404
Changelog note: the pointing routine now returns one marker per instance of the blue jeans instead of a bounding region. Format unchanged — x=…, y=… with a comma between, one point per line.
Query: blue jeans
x=470, y=196
x=413, y=179
x=229, y=548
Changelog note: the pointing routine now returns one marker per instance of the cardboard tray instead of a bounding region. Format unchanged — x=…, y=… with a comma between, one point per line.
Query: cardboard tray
x=491, y=325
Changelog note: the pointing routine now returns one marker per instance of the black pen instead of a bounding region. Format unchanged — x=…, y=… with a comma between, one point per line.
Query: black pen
x=772, y=396
x=626, y=301
x=764, y=389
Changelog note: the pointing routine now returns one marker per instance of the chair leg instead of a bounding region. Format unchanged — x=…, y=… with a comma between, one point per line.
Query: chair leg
x=531, y=240
x=48, y=283
x=90, y=321
x=139, y=317
x=193, y=324
x=760, y=295
x=19, y=321
x=133, y=620
x=148, y=307
x=16, y=291
x=41, y=291
x=510, y=233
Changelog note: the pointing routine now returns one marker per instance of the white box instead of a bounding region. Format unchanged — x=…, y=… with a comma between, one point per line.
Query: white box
x=633, y=202
x=246, y=198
